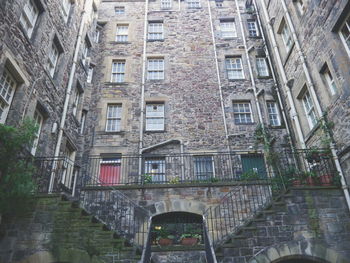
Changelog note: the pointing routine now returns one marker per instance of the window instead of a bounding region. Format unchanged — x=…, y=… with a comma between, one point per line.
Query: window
x=68, y=174
x=286, y=36
x=345, y=34
x=273, y=112
x=203, y=167
x=110, y=171
x=155, y=168
x=228, y=28
x=155, y=68
x=29, y=16
x=7, y=90
x=261, y=65
x=242, y=113
x=253, y=164
x=330, y=81
x=193, y=4
x=122, y=33
x=77, y=96
x=300, y=5
x=165, y=4
x=90, y=73
x=252, y=28
x=66, y=4
x=53, y=58
x=119, y=10
x=234, y=68
x=118, y=71
x=114, y=115
x=38, y=120
x=155, y=117
x=155, y=31
x=97, y=35
x=82, y=121
x=85, y=53
x=309, y=109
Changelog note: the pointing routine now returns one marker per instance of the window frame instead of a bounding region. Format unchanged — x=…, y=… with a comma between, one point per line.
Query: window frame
x=158, y=71
x=300, y=6
x=331, y=83
x=77, y=98
x=266, y=69
x=37, y=116
x=28, y=22
x=149, y=116
x=193, y=4
x=276, y=114
x=208, y=159
x=155, y=31
x=117, y=118
x=53, y=58
x=118, y=73
x=6, y=97
x=309, y=109
x=224, y=27
x=122, y=35
x=286, y=36
x=344, y=39
x=165, y=4
x=239, y=113
x=232, y=69
x=66, y=9
x=119, y=10
x=251, y=30
x=161, y=174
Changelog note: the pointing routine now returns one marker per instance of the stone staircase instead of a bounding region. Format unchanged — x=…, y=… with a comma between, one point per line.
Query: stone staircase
x=56, y=229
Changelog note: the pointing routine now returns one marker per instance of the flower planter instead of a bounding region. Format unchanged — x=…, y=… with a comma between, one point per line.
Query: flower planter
x=189, y=241
x=310, y=181
x=326, y=180
x=163, y=242
x=296, y=182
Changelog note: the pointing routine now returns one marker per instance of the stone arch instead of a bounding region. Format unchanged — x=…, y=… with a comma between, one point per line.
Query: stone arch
x=179, y=205
x=306, y=249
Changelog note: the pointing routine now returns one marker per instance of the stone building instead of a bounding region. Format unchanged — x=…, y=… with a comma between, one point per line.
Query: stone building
x=180, y=117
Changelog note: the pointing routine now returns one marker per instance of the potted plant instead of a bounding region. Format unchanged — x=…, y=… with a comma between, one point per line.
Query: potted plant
x=249, y=175
x=147, y=179
x=311, y=177
x=189, y=239
x=313, y=155
x=326, y=179
x=164, y=238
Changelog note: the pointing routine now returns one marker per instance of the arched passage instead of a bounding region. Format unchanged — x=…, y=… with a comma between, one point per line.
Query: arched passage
x=175, y=226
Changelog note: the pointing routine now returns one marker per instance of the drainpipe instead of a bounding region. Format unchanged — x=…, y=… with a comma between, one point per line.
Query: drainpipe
x=142, y=102
x=218, y=75
x=293, y=111
x=272, y=71
x=69, y=89
x=250, y=67
x=311, y=87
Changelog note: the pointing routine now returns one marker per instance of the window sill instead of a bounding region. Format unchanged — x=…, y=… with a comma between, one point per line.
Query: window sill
x=232, y=80
x=116, y=83
x=229, y=38
x=160, y=131
x=249, y=123
x=288, y=55
x=121, y=42
x=312, y=132
x=256, y=37
x=155, y=80
x=277, y=127
x=264, y=77
x=155, y=40
x=111, y=132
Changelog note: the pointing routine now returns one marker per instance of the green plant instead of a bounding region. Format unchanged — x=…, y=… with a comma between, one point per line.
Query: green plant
x=16, y=172
x=190, y=235
x=174, y=180
x=312, y=155
x=249, y=175
x=163, y=233
x=147, y=179
x=214, y=179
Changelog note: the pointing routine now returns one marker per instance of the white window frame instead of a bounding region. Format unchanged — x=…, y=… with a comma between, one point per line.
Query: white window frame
x=199, y=174
x=330, y=81
x=122, y=33
x=309, y=109
x=345, y=39
x=113, y=117
x=85, y=53
x=155, y=69
x=157, y=174
x=193, y=4
x=228, y=28
x=155, y=30
x=234, y=68
x=29, y=16
x=155, y=112
x=262, y=67
x=90, y=73
x=119, y=10
x=274, y=115
x=219, y=3
x=253, y=30
x=82, y=121
x=77, y=97
x=66, y=5
x=286, y=36
x=165, y=4
x=8, y=85
x=244, y=110
x=118, y=71
x=53, y=58
x=39, y=120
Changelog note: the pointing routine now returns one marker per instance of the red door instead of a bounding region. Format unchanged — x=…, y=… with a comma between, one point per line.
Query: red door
x=110, y=174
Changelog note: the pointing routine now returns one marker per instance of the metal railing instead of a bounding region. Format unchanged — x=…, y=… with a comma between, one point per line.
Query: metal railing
x=170, y=168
